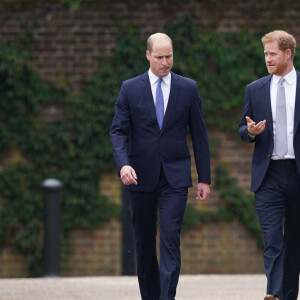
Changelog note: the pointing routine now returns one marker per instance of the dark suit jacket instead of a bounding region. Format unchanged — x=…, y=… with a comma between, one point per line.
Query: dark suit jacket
x=137, y=140
x=258, y=107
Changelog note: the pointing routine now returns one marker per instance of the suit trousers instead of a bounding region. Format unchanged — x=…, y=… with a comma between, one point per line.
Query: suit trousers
x=278, y=207
x=158, y=282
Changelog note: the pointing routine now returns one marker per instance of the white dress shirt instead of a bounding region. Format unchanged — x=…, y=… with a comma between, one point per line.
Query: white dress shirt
x=165, y=86
x=290, y=85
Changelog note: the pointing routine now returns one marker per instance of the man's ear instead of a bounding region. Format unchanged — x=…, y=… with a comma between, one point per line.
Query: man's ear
x=148, y=54
x=288, y=53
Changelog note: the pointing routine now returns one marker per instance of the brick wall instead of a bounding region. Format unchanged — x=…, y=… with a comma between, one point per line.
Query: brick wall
x=12, y=264
x=67, y=45
x=225, y=247
x=96, y=253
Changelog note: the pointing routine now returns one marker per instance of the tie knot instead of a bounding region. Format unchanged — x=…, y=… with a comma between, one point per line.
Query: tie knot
x=281, y=80
x=159, y=81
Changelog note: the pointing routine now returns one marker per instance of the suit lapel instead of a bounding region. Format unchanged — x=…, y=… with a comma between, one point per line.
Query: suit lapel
x=146, y=88
x=297, y=105
x=149, y=101
x=266, y=101
x=172, y=99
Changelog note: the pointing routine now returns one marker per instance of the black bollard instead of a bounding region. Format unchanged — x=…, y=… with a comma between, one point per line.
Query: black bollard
x=51, y=189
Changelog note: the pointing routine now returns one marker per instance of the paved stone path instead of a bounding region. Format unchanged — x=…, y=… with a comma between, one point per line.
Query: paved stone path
x=190, y=287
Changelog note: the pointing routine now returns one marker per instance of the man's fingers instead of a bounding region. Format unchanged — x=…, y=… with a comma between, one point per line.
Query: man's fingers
x=249, y=120
x=133, y=177
x=203, y=196
x=254, y=128
x=133, y=174
x=203, y=191
x=128, y=175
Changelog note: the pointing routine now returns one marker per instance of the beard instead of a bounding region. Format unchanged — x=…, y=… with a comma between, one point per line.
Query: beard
x=277, y=69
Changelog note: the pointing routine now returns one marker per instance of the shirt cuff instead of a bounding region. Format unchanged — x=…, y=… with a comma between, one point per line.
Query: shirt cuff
x=252, y=137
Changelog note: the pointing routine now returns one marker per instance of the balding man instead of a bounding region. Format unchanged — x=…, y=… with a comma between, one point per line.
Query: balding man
x=148, y=135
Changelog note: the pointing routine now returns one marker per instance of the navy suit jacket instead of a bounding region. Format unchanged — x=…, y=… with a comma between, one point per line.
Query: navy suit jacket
x=258, y=107
x=138, y=141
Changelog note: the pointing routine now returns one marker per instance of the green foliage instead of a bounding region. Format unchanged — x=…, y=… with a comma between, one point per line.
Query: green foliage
x=69, y=149
x=127, y=60
x=222, y=64
x=236, y=205
x=193, y=216
x=239, y=203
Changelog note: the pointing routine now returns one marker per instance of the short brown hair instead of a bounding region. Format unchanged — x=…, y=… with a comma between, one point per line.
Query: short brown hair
x=284, y=39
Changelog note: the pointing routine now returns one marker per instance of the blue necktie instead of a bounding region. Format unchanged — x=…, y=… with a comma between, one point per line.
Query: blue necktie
x=159, y=104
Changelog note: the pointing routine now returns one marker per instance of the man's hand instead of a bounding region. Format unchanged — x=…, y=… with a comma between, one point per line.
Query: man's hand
x=128, y=175
x=203, y=191
x=253, y=128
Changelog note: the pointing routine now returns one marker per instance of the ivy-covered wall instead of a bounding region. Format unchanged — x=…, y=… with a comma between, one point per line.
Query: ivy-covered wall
x=61, y=71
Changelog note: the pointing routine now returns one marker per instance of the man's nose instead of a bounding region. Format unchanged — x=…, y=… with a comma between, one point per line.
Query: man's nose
x=164, y=60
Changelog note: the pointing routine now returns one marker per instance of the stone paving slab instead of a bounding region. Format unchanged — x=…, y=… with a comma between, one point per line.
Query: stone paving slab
x=190, y=287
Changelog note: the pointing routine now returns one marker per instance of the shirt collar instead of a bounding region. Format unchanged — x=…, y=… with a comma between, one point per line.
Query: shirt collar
x=290, y=78
x=153, y=78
